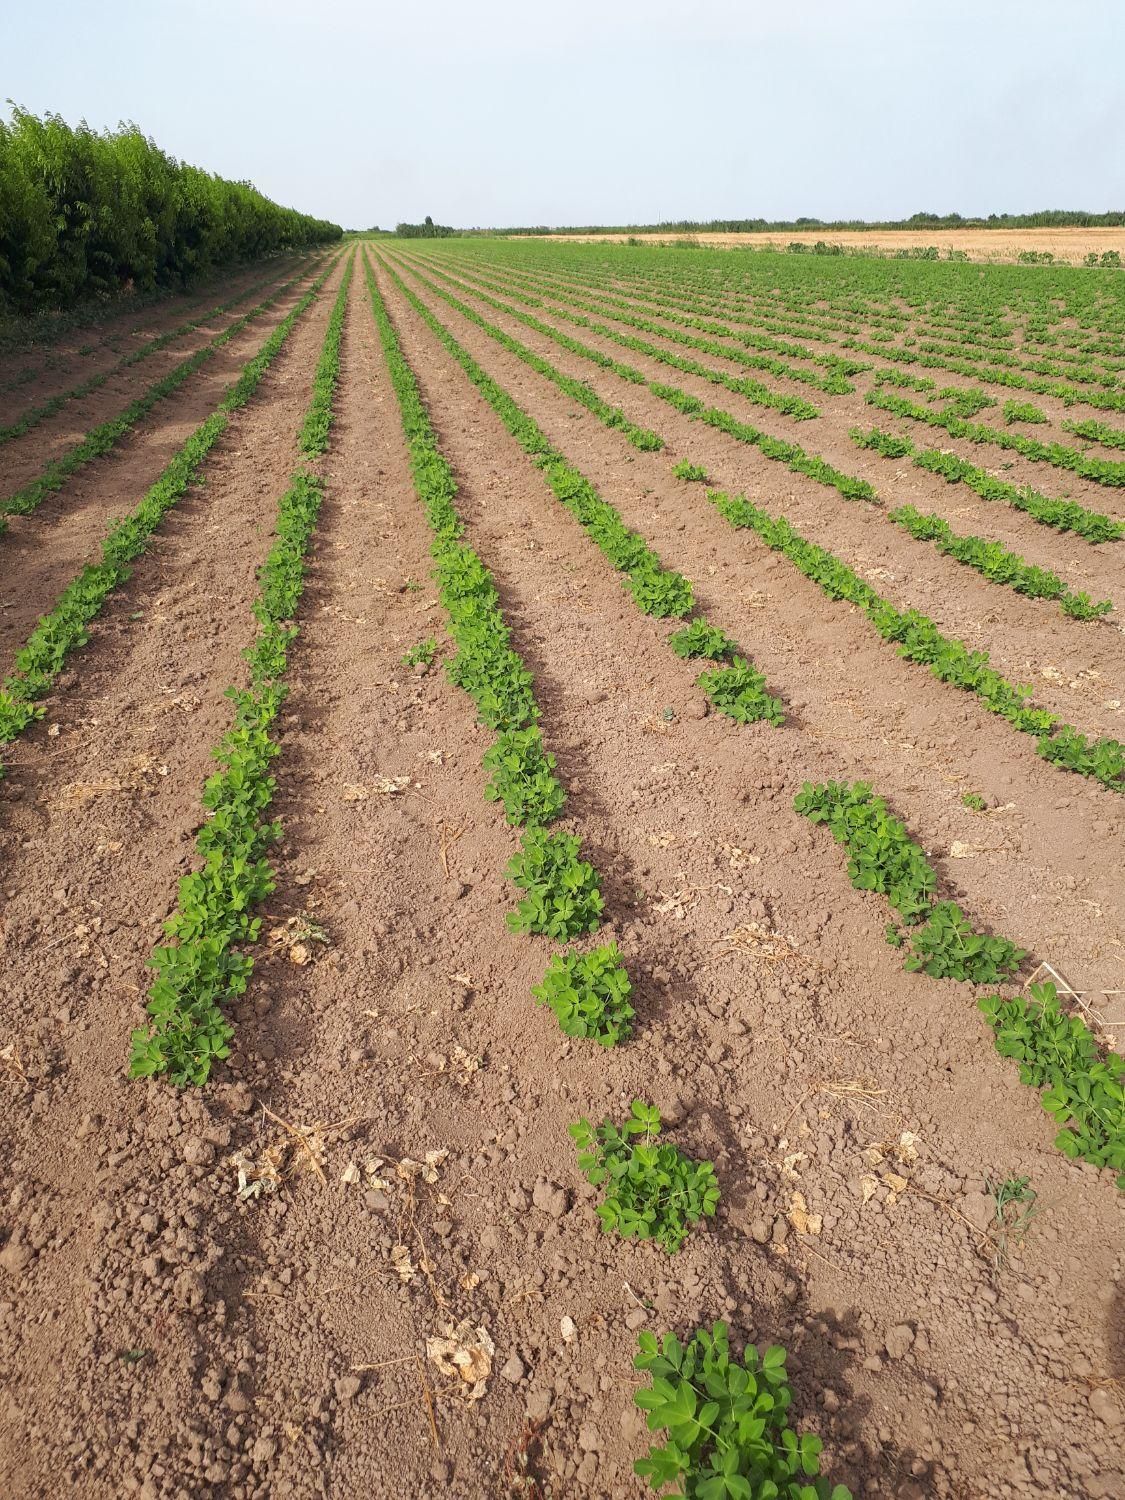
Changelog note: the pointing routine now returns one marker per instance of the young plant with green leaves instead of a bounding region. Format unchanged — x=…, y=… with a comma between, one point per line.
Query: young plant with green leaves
x=651, y=1190
x=726, y=1423
x=421, y=655
x=562, y=895
x=589, y=994
x=523, y=777
x=1082, y=1086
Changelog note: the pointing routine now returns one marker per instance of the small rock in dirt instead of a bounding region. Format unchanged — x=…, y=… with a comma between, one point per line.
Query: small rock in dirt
x=549, y=1197
x=347, y=1387
x=637, y=1318
x=760, y=1230
x=979, y=1209
x=538, y=1405
x=1106, y=1407
x=262, y=1451
x=198, y=1152
x=15, y=1257
x=514, y=1370
x=899, y=1340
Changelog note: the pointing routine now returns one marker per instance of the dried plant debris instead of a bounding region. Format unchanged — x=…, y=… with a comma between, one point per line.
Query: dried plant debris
x=298, y=936
x=138, y=773
x=760, y=942
x=463, y=1352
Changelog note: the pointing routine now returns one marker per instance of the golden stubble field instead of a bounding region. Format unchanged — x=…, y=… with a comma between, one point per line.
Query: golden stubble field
x=1067, y=245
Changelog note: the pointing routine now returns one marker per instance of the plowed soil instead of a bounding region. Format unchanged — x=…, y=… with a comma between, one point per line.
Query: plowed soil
x=164, y=1335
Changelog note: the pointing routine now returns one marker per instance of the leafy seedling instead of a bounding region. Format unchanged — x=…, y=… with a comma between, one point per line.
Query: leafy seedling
x=589, y=994
x=562, y=895
x=422, y=654
x=701, y=639
x=726, y=1424
x=1015, y=1207
x=523, y=778
x=652, y=1191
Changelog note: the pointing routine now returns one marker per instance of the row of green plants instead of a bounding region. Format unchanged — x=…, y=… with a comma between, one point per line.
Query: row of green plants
x=695, y=1451
x=1069, y=395
x=36, y=414
x=206, y=964
x=649, y=1189
x=918, y=640
x=1082, y=1085
x=882, y=857
x=65, y=627
x=90, y=215
x=954, y=662
x=825, y=328
x=577, y=390
x=1099, y=470
x=655, y=589
x=754, y=392
x=561, y=893
x=1098, y=432
x=780, y=450
x=998, y=564
x=989, y=558
x=735, y=686
x=834, y=383
x=1061, y=515
x=745, y=316
x=1057, y=366
x=106, y=435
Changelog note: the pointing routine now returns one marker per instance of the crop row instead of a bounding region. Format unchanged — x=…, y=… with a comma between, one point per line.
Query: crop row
x=64, y=628
x=206, y=966
x=736, y=689
x=825, y=330
x=997, y=564
x=780, y=450
x=1061, y=515
x=36, y=414
x=650, y=1189
x=835, y=382
x=1100, y=470
x=104, y=437
x=990, y=558
x=919, y=640
x=945, y=945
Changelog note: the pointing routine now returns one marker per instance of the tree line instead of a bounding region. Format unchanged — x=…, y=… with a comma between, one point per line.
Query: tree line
x=88, y=215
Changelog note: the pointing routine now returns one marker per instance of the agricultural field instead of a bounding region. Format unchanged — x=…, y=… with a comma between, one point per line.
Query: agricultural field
x=561, y=884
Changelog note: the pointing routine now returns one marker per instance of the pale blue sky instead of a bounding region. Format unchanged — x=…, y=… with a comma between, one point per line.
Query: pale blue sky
x=599, y=111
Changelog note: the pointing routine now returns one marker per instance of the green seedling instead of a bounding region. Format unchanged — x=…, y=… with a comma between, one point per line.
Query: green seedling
x=421, y=655
x=652, y=1191
x=726, y=1423
x=589, y=994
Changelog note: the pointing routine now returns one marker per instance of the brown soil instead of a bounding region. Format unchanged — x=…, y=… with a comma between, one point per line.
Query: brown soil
x=56, y=364
x=1065, y=244
x=161, y=1337
x=45, y=550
